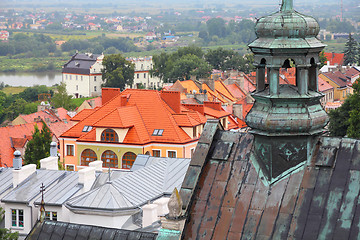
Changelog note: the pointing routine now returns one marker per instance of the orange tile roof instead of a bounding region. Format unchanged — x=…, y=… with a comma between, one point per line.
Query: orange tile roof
x=6, y=133
x=236, y=91
x=18, y=142
x=222, y=89
x=142, y=111
x=184, y=120
x=83, y=114
x=41, y=114
x=246, y=107
x=213, y=96
x=215, y=113
x=62, y=112
x=190, y=86
x=235, y=123
x=58, y=128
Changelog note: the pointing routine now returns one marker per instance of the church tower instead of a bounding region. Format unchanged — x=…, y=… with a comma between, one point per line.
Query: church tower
x=285, y=119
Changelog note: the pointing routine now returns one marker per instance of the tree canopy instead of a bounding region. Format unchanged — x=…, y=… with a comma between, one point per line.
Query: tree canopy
x=192, y=60
x=61, y=98
x=39, y=146
x=345, y=120
x=117, y=71
x=351, y=51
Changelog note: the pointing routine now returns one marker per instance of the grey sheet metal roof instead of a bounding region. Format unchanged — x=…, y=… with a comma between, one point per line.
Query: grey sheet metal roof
x=5, y=179
x=62, y=189
x=144, y=160
x=136, y=188
x=30, y=188
x=106, y=197
x=70, y=231
x=80, y=63
x=102, y=178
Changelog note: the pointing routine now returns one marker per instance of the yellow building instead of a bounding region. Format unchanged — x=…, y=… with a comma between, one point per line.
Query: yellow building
x=130, y=123
x=342, y=85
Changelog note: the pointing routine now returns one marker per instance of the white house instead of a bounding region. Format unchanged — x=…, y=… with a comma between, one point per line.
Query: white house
x=82, y=75
x=142, y=74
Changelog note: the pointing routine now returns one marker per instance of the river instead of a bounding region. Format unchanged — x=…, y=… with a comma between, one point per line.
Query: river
x=30, y=79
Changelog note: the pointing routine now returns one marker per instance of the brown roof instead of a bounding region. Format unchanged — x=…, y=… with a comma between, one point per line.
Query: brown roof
x=225, y=197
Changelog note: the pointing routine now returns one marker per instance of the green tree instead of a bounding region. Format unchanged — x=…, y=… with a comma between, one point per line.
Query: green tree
x=188, y=65
x=39, y=146
x=345, y=120
x=62, y=99
x=322, y=58
x=6, y=234
x=350, y=51
x=117, y=71
x=216, y=26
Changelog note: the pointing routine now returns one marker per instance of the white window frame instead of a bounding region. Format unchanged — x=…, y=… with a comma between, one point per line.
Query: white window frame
x=66, y=145
x=66, y=165
x=155, y=150
x=167, y=153
x=18, y=218
x=51, y=215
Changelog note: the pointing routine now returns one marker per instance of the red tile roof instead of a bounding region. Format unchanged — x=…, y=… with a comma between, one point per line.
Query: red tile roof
x=335, y=58
x=338, y=78
x=236, y=90
x=22, y=131
x=323, y=85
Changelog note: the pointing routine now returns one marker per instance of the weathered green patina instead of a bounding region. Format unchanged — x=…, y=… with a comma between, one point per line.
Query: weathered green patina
x=285, y=119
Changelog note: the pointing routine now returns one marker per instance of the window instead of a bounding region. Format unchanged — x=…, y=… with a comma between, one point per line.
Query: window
x=156, y=153
x=70, y=150
x=142, y=66
x=17, y=217
x=171, y=154
x=81, y=78
x=94, y=88
x=192, y=152
x=50, y=215
x=137, y=76
x=66, y=76
x=87, y=128
x=144, y=75
x=76, y=77
x=158, y=132
x=70, y=77
x=70, y=167
x=94, y=78
x=109, y=159
x=128, y=160
x=77, y=87
x=88, y=156
x=194, y=132
x=109, y=135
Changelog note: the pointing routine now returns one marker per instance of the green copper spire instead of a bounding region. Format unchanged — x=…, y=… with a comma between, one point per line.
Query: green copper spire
x=287, y=6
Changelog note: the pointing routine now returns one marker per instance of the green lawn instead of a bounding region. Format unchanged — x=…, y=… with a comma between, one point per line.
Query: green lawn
x=13, y=90
x=79, y=101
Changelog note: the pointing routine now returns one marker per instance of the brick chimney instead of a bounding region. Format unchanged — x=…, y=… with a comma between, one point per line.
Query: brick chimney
x=213, y=105
x=196, y=107
x=109, y=93
x=172, y=98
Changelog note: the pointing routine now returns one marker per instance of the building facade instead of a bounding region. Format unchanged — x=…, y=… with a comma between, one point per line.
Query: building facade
x=142, y=76
x=82, y=75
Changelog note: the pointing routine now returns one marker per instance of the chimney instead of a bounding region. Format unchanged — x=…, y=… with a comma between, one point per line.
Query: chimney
x=162, y=206
x=124, y=99
x=49, y=163
x=213, y=105
x=97, y=165
x=196, y=107
x=21, y=173
x=209, y=82
x=17, y=161
x=53, y=149
x=87, y=177
x=150, y=214
x=108, y=93
x=172, y=98
x=238, y=111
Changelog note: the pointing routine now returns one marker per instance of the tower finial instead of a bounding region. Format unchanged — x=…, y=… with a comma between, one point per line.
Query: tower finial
x=286, y=6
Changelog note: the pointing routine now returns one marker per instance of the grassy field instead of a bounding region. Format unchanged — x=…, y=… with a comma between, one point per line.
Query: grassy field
x=79, y=101
x=32, y=64
x=13, y=90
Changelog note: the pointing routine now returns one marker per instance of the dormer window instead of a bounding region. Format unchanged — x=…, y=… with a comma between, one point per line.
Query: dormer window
x=109, y=135
x=158, y=132
x=87, y=128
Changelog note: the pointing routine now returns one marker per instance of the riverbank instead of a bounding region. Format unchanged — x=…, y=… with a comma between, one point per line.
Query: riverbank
x=53, y=64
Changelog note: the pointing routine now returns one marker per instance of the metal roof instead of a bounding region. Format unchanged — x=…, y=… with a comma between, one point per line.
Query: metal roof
x=80, y=63
x=72, y=231
x=62, y=189
x=226, y=196
x=5, y=179
x=30, y=188
x=136, y=188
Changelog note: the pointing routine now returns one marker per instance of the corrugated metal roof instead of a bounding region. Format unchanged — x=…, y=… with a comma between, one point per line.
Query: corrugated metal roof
x=72, y=231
